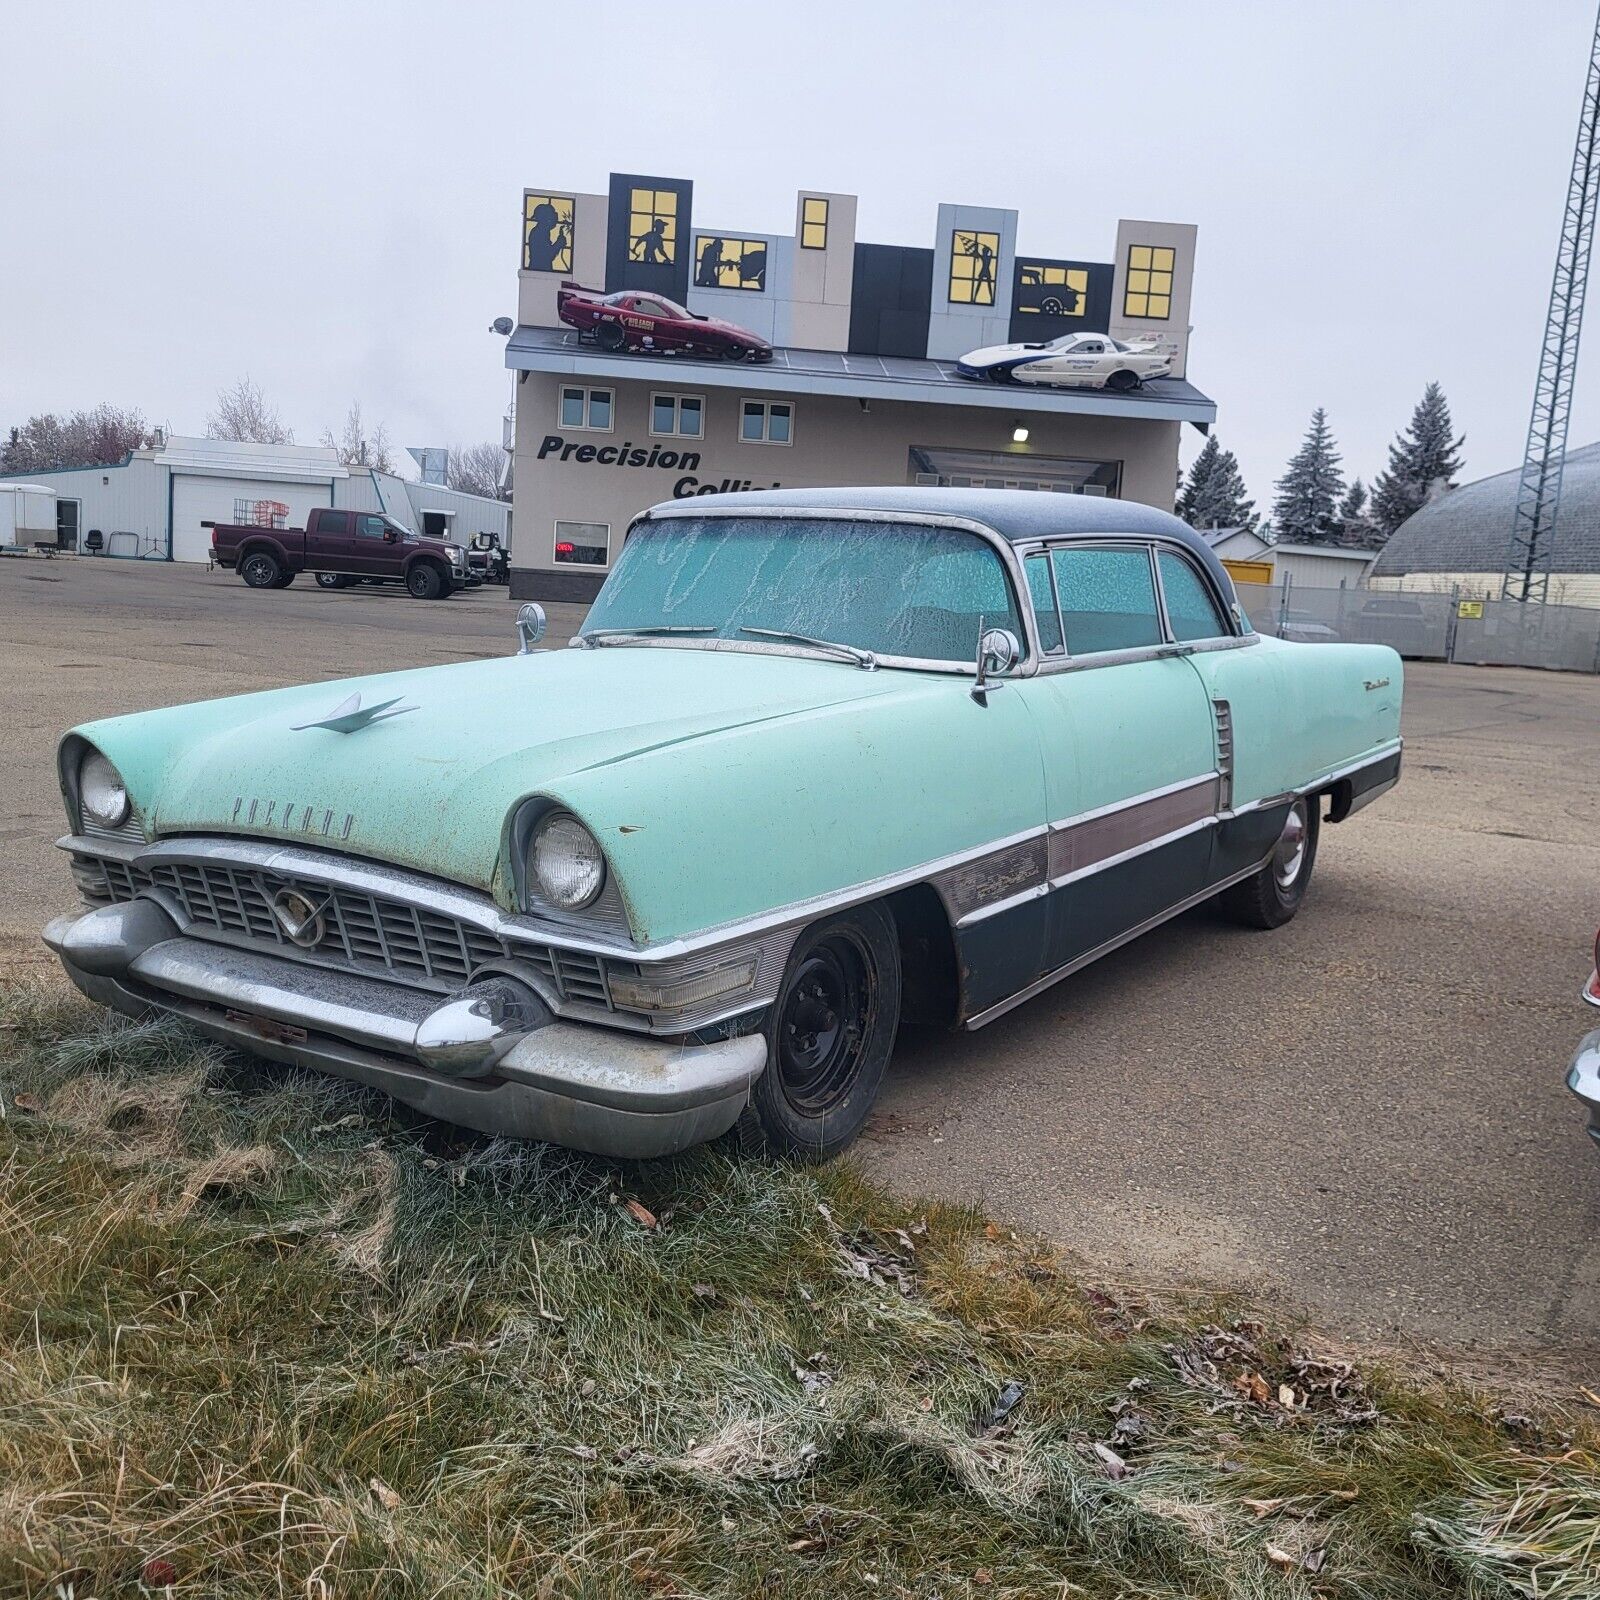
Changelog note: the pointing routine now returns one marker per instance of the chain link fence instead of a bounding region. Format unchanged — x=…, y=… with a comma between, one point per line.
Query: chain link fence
x=1429, y=627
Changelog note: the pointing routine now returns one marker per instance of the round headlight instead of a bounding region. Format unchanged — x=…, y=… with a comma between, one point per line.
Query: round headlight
x=568, y=866
x=100, y=791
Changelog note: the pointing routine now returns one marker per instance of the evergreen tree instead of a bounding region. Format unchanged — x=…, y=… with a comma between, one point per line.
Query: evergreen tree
x=1425, y=454
x=1306, y=508
x=1355, y=518
x=1214, y=496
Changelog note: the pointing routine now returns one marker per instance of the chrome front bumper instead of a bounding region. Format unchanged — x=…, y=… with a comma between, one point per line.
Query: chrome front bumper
x=1583, y=1079
x=491, y=1058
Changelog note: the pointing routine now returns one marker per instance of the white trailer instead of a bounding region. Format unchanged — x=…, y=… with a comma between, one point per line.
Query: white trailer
x=27, y=515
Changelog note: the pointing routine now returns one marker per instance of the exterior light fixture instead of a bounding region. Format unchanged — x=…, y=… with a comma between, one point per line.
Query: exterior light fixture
x=1019, y=433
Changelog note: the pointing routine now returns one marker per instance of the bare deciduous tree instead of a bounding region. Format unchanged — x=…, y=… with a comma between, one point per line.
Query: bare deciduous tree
x=243, y=414
x=478, y=469
x=98, y=438
x=356, y=446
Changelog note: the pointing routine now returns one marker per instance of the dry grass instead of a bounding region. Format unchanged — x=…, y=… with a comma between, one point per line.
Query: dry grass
x=260, y=1334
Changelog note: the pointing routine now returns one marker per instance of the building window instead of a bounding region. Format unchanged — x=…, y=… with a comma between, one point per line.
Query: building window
x=766, y=422
x=681, y=416
x=1054, y=291
x=813, y=223
x=973, y=259
x=653, y=226
x=586, y=408
x=1148, y=291
x=582, y=544
x=547, y=232
x=724, y=263
x=261, y=513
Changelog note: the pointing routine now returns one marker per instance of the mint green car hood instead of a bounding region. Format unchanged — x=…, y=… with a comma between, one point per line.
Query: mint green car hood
x=433, y=789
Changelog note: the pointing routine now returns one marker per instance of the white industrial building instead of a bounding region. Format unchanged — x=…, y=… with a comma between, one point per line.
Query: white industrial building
x=155, y=505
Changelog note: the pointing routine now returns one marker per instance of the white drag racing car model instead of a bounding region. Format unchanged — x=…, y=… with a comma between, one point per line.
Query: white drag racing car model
x=1075, y=361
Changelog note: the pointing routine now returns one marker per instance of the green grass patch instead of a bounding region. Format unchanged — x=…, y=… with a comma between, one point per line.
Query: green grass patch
x=264, y=1334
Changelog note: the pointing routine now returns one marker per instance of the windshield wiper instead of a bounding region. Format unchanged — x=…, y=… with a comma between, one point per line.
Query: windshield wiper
x=645, y=631
x=862, y=658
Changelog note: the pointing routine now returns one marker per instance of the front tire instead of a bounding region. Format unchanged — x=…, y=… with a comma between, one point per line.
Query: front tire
x=1271, y=896
x=425, y=582
x=829, y=1035
x=262, y=570
x=734, y=352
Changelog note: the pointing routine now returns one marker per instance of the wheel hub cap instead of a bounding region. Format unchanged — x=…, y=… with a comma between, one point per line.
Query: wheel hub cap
x=1290, y=850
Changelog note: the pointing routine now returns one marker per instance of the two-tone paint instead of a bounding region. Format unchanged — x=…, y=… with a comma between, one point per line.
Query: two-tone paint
x=741, y=789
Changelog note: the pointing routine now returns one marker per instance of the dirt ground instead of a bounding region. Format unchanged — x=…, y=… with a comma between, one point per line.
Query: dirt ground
x=1362, y=1113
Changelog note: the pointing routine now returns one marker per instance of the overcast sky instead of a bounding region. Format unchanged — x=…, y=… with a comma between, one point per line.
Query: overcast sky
x=326, y=196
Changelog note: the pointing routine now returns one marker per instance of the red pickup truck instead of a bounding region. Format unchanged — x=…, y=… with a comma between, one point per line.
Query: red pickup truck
x=341, y=548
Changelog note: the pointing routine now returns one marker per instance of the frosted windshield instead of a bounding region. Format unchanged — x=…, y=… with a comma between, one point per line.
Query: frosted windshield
x=897, y=589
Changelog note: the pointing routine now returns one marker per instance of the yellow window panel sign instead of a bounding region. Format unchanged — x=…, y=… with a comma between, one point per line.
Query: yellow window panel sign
x=1052, y=291
x=814, y=223
x=1147, y=289
x=653, y=226
x=1470, y=608
x=974, y=261
x=547, y=232
x=721, y=262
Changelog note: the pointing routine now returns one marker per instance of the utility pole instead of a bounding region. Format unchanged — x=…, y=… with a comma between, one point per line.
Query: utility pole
x=1533, y=523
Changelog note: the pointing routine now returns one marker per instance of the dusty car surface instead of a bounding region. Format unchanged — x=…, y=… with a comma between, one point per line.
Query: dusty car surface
x=818, y=761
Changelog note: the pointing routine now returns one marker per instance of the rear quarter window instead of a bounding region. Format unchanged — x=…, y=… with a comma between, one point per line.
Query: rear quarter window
x=1190, y=608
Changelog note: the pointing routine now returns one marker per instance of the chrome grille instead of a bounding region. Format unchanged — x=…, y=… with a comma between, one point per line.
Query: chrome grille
x=369, y=933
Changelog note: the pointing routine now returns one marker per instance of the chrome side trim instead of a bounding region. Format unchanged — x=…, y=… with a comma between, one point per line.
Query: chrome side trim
x=1011, y=1002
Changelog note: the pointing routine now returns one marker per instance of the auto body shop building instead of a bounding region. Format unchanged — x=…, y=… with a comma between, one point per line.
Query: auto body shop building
x=862, y=387
x=156, y=504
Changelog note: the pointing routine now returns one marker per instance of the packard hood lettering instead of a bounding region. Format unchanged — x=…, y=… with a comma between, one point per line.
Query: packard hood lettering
x=349, y=716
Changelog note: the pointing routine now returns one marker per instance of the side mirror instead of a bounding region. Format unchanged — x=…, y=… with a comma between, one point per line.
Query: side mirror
x=531, y=623
x=998, y=652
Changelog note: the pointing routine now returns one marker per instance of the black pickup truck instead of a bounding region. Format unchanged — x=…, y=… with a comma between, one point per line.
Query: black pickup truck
x=340, y=548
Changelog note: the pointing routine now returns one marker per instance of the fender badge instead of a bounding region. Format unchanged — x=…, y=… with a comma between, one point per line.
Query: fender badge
x=1376, y=683
x=350, y=715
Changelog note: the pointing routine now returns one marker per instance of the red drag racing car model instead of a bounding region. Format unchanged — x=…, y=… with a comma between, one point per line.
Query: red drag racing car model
x=634, y=320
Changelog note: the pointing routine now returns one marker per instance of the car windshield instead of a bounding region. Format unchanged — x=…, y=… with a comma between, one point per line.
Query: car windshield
x=892, y=588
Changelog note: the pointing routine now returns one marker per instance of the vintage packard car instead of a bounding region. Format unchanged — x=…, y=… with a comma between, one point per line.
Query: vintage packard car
x=634, y=320
x=1074, y=361
x=816, y=762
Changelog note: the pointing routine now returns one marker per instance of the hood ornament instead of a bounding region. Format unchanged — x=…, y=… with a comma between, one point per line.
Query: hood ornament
x=349, y=716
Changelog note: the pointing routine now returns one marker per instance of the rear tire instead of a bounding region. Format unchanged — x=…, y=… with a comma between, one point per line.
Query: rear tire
x=609, y=336
x=425, y=582
x=332, y=580
x=260, y=569
x=1271, y=896
x=1123, y=382
x=829, y=1035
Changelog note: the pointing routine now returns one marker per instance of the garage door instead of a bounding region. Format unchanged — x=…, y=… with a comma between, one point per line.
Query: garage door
x=202, y=497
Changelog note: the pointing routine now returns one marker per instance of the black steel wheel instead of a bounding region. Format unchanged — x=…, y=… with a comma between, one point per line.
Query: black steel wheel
x=424, y=581
x=829, y=1035
x=1270, y=897
x=261, y=570
x=609, y=336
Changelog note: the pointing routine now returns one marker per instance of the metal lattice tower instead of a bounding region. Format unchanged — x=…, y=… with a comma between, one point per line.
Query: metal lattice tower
x=1533, y=523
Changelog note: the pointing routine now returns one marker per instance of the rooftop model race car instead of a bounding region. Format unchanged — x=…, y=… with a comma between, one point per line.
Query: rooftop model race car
x=633, y=320
x=1075, y=361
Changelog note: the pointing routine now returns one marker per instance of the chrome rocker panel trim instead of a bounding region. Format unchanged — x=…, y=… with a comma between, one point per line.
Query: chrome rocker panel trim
x=589, y=1088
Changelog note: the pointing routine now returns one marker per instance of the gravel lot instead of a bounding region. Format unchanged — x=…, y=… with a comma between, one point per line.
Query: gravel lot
x=1362, y=1113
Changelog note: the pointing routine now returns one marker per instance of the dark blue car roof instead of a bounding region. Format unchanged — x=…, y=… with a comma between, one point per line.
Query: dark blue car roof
x=1014, y=514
